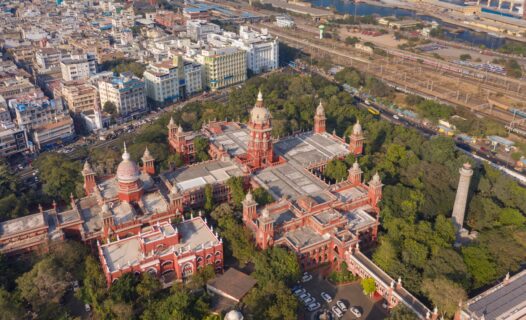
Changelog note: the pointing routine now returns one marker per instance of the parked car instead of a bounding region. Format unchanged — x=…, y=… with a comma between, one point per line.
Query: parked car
x=308, y=301
x=87, y=307
x=306, y=277
x=325, y=296
x=296, y=287
x=341, y=305
x=299, y=292
x=337, y=312
x=313, y=306
x=355, y=312
x=304, y=296
x=396, y=117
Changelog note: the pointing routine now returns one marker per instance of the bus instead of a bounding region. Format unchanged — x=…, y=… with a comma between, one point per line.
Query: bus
x=373, y=111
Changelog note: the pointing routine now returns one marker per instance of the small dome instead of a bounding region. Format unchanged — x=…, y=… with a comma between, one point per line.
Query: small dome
x=357, y=128
x=249, y=197
x=147, y=155
x=172, y=122
x=376, y=178
x=355, y=165
x=320, y=111
x=259, y=114
x=180, y=129
x=87, y=168
x=127, y=171
x=234, y=315
x=265, y=213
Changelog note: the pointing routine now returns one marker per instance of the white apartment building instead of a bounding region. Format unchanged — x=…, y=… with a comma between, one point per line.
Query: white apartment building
x=127, y=93
x=262, y=49
x=200, y=29
x=59, y=131
x=162, y=82
x=172, y=80
x=48, y=58
x=78, y=67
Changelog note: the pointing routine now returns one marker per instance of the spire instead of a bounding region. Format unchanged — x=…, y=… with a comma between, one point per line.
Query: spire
x=180, y=129
x=320, y=111
x=357, y=128
x=147, y=155
x=376, y=178
x=172, y=122
x=87, y=168
x=260, y=96
x=125, y=154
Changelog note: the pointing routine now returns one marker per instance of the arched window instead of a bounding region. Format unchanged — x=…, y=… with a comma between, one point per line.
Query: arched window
x=152, y=271
x=188, y=270
x=199, y=260
x=166, y=263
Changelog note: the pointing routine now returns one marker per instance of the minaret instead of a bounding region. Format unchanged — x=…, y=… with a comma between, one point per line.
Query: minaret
x=355, y=174
x=356, y=143
x=319, y=119
x=461, y=199
x=249, y=207
x=89, y=178
x=148, y=162
x=260, y=151
x=375, y=190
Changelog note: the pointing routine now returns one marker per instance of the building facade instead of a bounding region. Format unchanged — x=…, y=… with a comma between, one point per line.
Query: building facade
x=223, y=67
x=127, y=93
x=79, y=96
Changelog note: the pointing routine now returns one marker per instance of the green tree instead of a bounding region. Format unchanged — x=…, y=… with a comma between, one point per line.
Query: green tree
x=262, y=196
x=401, y=312
x=93, y=290
x=43, y=286
x=209, y=197
x=509, y=216
x=368, y=286
x=61, y=177
x=444, y=294
x=336, y=170
x=11, y=310
x=148, y=287
x=110, y=108
x=201, y=148
x=237, y=192
x=479, y=265
x=271, y=301
x=277, y=264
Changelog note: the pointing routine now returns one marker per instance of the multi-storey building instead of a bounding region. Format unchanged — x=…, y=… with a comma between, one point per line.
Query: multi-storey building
x=223, y=67
x=14, y=86
x=162, y=82
x=127, y=93
x=199, y=29
x=60, y=130
x=48, y=58
x=35, y=110
x=261, y=48
x=78, y=67
x=170, y=81
x=13, y=140
x=79, y=96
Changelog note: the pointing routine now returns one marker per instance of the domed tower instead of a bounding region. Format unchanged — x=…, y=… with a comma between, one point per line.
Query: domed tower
x=148, y=165
x=260, y=152
x=356, y=143
x=89, y=178
x=375, y=190
x=355, y=174
x=128, y=173
x=319, y=119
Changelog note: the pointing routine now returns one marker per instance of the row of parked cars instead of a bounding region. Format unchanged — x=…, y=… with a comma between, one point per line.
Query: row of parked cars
x=311, y=304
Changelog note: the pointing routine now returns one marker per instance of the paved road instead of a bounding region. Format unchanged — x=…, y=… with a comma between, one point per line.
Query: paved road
x=350, y=294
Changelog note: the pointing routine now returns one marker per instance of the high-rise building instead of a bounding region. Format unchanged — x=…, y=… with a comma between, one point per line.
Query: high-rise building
x=127, y=93
x=78, y=67
x=461, y=199
x=79, y=96
x=200, y=29
x=223, y=67
x=260, y=151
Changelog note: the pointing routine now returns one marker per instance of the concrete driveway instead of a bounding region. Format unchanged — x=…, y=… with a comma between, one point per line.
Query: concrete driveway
x=350, y=294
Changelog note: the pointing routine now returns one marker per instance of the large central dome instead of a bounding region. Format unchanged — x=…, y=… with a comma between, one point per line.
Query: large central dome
x=259, y=114
x=127, y=171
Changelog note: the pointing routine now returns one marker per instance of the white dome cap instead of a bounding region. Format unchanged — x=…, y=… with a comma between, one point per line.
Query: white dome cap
x=259, y=114
x=320, y=111
x=234, y=315
x=357, y=128
x=127, y=171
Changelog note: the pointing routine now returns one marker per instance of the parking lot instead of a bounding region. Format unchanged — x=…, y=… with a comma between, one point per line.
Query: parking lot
x=350, y=294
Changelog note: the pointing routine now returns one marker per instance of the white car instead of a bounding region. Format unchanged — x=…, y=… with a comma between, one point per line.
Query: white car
x=304, y=296
x=308, y=301
x=87, y=307
x=306, y=278
x=299, y=292
x=396, y=117
x=325, y=296
x=337, y=312
x=356, y=312
x=341, y=305
x=313, y=306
